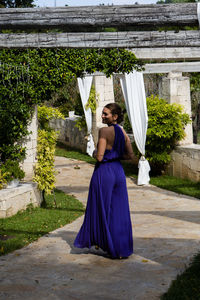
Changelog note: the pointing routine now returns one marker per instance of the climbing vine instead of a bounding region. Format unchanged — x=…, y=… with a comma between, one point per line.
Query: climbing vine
x=92, y=100
x=29, y=77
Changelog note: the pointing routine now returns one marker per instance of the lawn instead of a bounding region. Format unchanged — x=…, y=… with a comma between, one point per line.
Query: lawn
x=27, y=226
x=187, y=285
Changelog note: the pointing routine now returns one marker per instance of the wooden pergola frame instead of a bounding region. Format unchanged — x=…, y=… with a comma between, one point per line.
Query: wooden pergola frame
x=147, y=45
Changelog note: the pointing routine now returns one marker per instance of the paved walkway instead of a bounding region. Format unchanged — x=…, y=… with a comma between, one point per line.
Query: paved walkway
x=166, y=229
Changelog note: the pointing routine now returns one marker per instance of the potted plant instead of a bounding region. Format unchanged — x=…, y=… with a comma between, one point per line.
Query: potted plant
x=13, y=173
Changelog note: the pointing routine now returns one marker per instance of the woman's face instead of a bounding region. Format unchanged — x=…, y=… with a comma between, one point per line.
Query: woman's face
x=107, y=117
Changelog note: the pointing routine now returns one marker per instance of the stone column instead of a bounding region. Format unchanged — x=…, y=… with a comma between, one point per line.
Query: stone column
x=30, y=142
x=176, y=89
x=104, y=95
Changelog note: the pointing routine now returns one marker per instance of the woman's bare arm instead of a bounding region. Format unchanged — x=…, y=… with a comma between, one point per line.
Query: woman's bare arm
x=128, y=155
x=101, y=146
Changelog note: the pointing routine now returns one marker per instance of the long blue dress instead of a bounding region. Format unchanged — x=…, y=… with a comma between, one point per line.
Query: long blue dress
x=107, y=220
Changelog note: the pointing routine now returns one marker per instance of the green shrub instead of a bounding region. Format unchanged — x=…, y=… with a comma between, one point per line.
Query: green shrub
x=12, y=170
x=165, y=129
x=44, y=169
x=92, y=100
x=127, y=124
x=92, y=104
x=3, y=180
x=46, y=145
x=45, y=114
x=81, y=123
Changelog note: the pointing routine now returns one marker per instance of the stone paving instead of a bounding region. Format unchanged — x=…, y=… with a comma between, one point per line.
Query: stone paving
x=166, y=231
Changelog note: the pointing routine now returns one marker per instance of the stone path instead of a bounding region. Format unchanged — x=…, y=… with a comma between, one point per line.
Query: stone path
x=166, y=229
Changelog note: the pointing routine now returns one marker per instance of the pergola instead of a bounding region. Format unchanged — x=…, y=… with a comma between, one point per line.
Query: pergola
x=79, y=24
x=137, y=30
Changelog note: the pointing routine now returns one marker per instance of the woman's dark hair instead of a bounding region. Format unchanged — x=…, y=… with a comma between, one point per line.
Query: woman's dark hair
x=116, y=110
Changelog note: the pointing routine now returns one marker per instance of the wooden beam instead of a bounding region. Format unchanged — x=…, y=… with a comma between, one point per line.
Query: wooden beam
x=141, y=39
x=74, y=18
x=186, y=67
x=163, y=54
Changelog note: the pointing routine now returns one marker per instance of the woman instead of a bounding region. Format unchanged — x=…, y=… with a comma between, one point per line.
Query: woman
x=107, y=221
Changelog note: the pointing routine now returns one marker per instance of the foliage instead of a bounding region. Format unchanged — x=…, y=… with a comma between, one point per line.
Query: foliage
x=27, y=226
x=186, y=285
x=92, y=104
x=45, y=114
x=81, y=123
x=29, y=77
x=46, y=144
x=166, y=124
x=114, y=60
x=92, y=100
x=16, y=3
x=12, y=170
x=127, y=124
x=67, y=98
x=16, y=109
x=44, y=169
x=3, y=180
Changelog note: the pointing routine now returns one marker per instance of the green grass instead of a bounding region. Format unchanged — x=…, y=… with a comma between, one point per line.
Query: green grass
x=178, y=185
x=187, y=285
x=64, y=151
x=26, y=227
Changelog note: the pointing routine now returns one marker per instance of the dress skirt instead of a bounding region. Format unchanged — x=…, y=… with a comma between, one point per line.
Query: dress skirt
x=107, y=222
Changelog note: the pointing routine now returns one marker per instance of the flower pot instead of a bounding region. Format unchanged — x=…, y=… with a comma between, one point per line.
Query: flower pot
x=12, y=184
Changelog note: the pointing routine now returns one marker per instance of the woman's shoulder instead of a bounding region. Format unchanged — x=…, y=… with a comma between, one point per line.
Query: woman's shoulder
x=105, y=131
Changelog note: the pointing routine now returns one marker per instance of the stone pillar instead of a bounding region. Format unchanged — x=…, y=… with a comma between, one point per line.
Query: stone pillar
x=176, y=89
x=104, y=95
x=30, y=142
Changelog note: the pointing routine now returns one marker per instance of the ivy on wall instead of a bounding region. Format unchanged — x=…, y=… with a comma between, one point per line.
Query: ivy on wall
x=30, y=76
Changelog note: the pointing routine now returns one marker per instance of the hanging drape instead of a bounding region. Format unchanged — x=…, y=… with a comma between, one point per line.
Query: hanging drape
x=198, y=12
x=135, y=100
x=84, y=85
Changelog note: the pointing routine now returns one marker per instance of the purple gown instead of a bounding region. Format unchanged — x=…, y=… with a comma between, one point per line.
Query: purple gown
x=107, y=222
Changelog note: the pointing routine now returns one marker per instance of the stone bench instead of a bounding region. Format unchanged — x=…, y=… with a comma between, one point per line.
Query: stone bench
x=18, y=198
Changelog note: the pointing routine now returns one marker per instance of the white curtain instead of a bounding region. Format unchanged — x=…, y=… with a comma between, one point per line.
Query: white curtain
x=198, y=12
x=135, y=100
x=84, y=85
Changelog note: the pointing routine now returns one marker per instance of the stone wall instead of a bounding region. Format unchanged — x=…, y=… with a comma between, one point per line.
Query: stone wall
x=18, y=198
x=185, y=162
x=69, y=134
